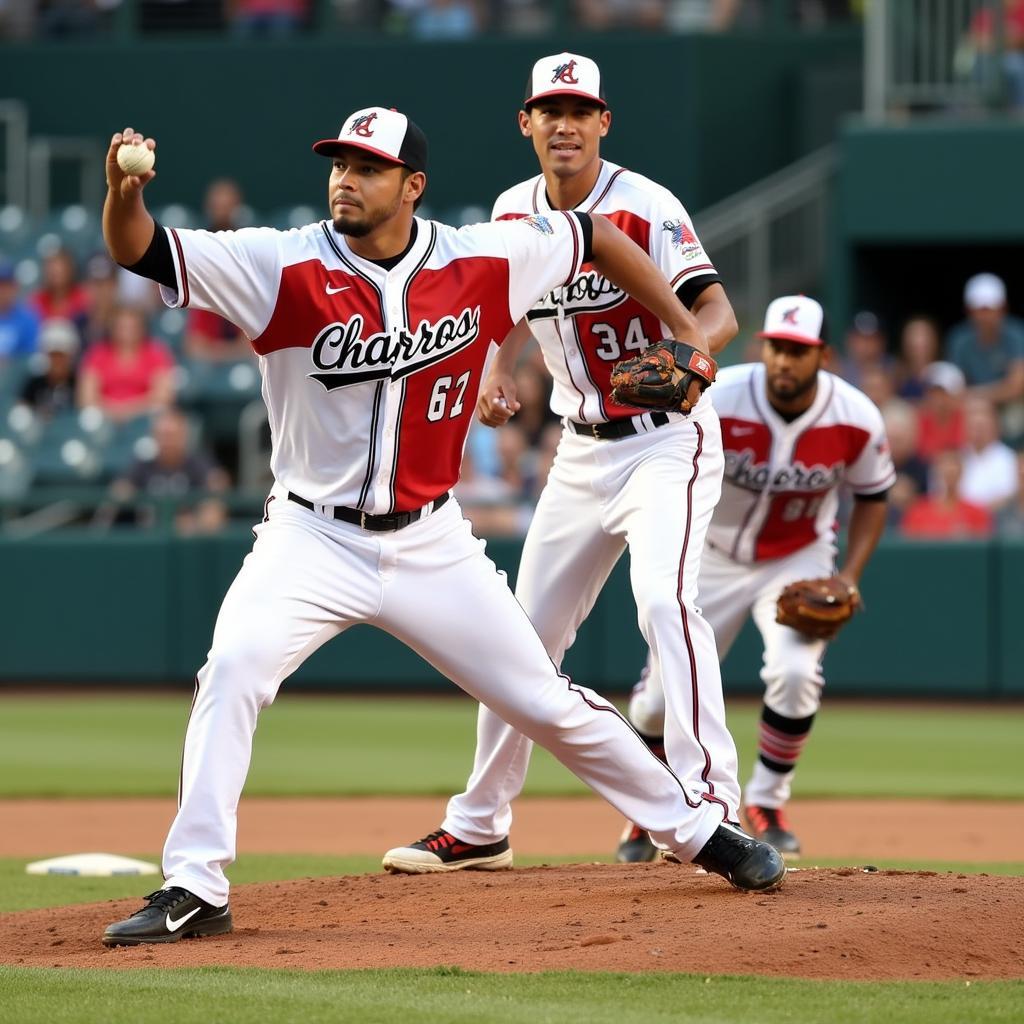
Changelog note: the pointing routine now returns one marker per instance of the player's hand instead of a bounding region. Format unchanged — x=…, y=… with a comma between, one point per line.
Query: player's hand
x=848, y=579
x=497, y=403
x=127, y=185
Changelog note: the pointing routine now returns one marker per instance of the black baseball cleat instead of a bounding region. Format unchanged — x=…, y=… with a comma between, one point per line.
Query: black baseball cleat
x=441, y=851
x=635, y=846
x=746, y=862
x=169, y=915
x=770, y=825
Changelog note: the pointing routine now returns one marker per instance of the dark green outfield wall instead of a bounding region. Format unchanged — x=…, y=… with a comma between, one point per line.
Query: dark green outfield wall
x=703, y=115
x=942, y=621
x=920, y=207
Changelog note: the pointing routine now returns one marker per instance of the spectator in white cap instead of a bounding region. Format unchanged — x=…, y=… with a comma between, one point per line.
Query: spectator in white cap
x=51, y=391
x=989, y=348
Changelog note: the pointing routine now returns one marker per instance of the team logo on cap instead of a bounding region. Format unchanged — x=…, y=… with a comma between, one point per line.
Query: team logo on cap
x=362, y=125
x=539, y=223
x=789, y=317
x=682, y=237
x=566, y=74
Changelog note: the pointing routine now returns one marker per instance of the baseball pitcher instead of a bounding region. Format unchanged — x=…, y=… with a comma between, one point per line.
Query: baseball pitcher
x=372, y=328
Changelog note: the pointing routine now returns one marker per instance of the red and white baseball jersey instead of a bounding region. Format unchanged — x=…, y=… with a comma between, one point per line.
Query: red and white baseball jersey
x=370, y=375
x=589, y=324
x=782, y=479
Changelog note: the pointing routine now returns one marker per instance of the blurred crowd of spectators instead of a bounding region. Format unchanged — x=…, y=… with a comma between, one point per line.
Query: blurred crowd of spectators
x=953, y=405
x=85, y=336
x=993, y=49
x=422, y=19
x=954, y=414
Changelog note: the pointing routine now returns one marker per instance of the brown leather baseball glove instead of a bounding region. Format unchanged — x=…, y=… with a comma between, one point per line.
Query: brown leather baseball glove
x=818, y=608
x=667, y=375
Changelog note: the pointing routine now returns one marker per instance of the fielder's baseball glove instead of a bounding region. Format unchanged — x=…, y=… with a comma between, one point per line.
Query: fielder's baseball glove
x=818, y=608
x=667, y=375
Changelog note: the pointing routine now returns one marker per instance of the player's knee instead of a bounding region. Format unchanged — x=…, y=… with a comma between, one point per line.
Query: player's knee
x=239, y=670
x=791, y=692
x=663, y=608
x=647, y=713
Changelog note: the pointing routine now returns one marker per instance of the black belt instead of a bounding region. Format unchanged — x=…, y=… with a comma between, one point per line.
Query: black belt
x=615, y=429
x=368, y=521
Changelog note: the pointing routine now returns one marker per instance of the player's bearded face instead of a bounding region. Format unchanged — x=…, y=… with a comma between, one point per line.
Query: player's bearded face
x=791, y=368
x=363, y=193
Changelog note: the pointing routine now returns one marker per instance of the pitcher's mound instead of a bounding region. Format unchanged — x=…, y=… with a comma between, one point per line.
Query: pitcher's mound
x=824, y=923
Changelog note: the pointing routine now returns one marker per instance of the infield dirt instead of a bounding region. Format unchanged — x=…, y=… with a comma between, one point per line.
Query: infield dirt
x=824, y=923
x=861, y=830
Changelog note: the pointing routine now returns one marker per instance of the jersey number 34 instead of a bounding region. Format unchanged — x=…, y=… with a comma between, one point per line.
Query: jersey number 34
x=611, y=348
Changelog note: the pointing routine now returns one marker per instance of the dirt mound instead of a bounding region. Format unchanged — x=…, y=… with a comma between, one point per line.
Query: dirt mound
x=824, y=923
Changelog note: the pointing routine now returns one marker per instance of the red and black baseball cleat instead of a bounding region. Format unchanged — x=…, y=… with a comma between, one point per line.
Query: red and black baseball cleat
x=770, y=825
x=441, y=851
x=635, y=846
x=169, y=915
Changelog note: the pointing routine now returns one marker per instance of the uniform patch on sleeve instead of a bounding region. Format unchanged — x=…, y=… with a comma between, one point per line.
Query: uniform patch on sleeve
x=683, y=238
x=539, y=223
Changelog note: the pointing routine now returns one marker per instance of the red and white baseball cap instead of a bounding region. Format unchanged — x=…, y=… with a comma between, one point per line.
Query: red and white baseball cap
x=565, y=74
x=795, y=318
x=383, y=132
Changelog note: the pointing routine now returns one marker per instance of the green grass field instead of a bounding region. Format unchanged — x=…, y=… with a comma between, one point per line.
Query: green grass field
x=447, y=995
x=76, y=746
x=70, y=745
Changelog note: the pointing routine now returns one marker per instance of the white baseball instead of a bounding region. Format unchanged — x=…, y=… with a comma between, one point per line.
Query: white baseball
x=134, y=159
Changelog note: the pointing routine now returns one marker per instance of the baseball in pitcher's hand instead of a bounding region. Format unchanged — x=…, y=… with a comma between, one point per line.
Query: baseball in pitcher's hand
x=497, y=403
x=126, y=185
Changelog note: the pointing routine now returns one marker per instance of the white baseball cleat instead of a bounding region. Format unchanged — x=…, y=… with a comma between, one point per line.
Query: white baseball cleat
x=441, y=851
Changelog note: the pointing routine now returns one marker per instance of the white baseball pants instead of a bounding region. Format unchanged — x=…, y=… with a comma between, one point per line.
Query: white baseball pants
x=306, y=580
x=654, y=492
x=791, y=672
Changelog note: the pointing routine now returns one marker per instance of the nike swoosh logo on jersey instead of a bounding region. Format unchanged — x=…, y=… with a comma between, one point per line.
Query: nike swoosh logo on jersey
x=334, y=291
x=173, y=926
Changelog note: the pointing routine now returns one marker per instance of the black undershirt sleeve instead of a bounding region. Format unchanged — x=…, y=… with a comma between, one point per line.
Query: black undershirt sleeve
x=689, y=291
x=877, y=496
x=157, y=263
x=588, y=236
